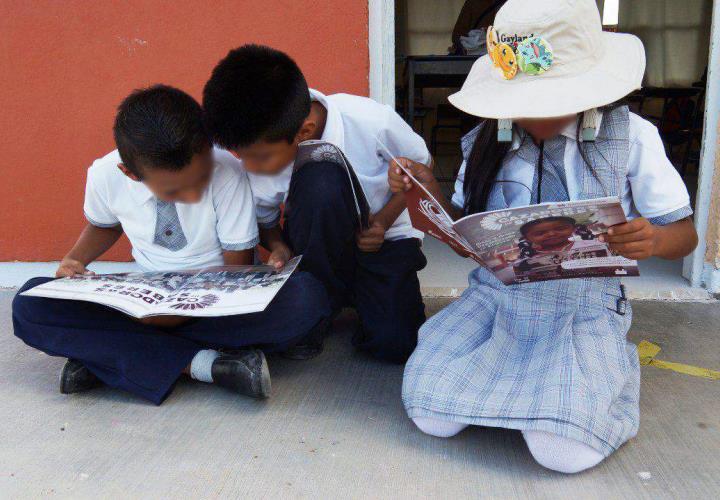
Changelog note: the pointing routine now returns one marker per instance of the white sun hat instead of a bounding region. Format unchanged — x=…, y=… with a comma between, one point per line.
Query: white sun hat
x=589, y=68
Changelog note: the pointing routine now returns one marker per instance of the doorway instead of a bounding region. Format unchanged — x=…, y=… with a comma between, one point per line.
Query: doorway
x=677, y=39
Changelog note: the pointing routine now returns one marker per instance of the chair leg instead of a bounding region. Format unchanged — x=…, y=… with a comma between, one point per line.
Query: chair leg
x=686, y=157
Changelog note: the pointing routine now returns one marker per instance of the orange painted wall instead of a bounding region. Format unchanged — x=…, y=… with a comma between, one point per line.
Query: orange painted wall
x=67, y=64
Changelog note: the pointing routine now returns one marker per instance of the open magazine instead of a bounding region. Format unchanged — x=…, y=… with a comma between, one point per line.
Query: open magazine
x=319, y=151
x=532, y=243
x=213, y=291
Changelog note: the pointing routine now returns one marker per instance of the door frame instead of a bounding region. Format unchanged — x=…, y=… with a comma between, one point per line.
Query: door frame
x=695, y=268
x=381, y=45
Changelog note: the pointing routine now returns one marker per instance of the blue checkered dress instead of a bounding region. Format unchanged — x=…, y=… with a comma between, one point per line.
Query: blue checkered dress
x=549, y=356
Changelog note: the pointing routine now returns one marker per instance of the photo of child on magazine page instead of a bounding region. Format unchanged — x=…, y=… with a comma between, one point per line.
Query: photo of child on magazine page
x=533, y=243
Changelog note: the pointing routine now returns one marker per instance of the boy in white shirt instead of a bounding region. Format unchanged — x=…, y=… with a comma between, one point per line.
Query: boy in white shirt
x=258, y=106
x=182, y=204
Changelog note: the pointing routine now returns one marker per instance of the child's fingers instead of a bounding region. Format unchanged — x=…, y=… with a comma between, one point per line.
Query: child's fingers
x=628, y=227
x=626, y=237
x=397, y=186
x=395, y=173
x=369, y=247
x=276, y=261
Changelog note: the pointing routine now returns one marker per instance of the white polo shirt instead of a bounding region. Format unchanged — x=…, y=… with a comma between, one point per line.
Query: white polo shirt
x=358, y=126
x=653, y=188
x=224, y=219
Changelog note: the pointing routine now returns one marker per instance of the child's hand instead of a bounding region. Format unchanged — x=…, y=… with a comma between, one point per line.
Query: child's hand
x=399, y=182
x=280, y=256
x=71, y=267
x=372, y=238
x=635, y=240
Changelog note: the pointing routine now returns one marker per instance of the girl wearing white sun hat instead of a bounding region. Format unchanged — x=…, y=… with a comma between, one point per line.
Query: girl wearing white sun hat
x=548, y=358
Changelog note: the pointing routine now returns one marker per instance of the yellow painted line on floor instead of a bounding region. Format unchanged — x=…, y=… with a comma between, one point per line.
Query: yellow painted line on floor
x=647, y=352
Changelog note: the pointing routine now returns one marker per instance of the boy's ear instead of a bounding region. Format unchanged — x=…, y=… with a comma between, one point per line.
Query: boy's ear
x=307, y=130
x=127, y=172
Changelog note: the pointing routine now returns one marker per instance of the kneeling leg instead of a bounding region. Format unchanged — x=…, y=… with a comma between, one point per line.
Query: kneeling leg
x=561, y=454
x=438, y=428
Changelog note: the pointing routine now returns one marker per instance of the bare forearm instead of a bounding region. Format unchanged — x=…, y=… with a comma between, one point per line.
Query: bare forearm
x=271, y=238
x=675, y=240
x=391, y=211
x=93, y=242
x=238, y=258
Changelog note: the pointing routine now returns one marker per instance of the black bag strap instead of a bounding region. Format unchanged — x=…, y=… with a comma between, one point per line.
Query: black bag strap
x=495, y=4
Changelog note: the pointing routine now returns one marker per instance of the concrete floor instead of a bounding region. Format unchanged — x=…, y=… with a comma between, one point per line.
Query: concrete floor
x=335, y=427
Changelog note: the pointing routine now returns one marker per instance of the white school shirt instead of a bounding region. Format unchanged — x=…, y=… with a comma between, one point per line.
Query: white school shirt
x=224, y=219
x=357, y=125
x=653, y=188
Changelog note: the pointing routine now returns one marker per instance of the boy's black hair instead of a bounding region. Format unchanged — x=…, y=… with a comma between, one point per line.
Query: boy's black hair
x=159, y=127
x=255, y=93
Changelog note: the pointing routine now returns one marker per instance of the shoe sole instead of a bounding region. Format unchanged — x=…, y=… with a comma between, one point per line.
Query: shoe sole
x=63, y=389
x=265, y=384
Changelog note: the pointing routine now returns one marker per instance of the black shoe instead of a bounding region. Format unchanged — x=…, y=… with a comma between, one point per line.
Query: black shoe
x=74, y=377
x=244, y=372
x=312, y=344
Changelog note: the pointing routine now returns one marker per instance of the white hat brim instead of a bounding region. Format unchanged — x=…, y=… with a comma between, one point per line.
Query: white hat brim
x=618, y=73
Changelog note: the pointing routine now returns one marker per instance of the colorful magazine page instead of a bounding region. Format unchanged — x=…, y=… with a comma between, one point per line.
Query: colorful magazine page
x=213, y=291
x=532, y=243
x=548, y=241
x=428, y=216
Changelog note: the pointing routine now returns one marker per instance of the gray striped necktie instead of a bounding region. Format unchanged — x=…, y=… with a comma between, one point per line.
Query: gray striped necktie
x=554, y=181
x=168, y=231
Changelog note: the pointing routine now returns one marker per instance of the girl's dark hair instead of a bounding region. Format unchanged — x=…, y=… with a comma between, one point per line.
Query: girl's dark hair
x=483, y=166
x=486, y=159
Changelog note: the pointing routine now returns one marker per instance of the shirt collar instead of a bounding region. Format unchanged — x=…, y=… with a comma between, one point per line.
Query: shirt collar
x=142, y=193
x=139, y=191
x=570, y=132
x=334, y=130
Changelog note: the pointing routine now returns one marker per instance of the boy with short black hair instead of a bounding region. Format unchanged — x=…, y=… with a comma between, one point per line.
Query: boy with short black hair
x=258, y=105
x=183, y=205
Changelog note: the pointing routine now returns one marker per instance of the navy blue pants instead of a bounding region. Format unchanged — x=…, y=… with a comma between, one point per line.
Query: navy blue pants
x=321, y=224
x=146, y=360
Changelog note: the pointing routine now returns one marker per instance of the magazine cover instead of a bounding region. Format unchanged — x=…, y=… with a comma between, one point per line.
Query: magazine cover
x=548, y=241
x=213, y=291
x=533, y=243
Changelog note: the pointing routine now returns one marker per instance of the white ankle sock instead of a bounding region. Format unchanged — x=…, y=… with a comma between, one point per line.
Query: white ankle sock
x=201, y=365
x=560, y=453
x=438, y=428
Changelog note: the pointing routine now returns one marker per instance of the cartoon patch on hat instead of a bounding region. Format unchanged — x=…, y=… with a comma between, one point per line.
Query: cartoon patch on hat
x=534, y=56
